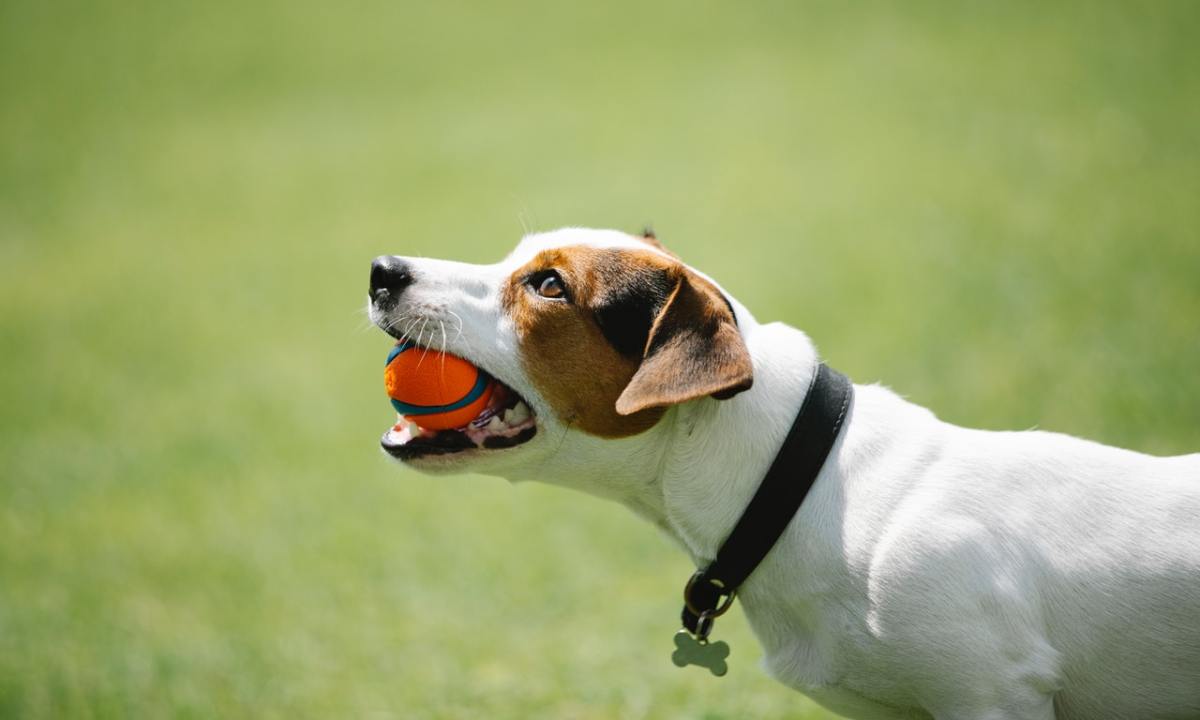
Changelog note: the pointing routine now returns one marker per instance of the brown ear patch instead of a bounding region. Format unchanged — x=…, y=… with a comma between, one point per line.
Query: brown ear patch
x=626, y=306
x=694, y=350
x=639, y=333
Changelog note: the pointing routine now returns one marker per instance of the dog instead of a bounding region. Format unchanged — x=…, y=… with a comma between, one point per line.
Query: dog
x=933, y=571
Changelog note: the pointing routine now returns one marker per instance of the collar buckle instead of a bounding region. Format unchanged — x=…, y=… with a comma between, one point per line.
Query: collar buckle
x=702, y=596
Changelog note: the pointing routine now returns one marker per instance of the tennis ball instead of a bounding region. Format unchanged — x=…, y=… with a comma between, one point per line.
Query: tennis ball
x=436, y=390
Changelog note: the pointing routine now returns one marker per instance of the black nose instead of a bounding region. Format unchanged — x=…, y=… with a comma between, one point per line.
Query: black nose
x=389, y=276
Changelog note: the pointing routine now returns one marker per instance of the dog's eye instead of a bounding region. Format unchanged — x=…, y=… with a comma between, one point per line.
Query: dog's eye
x=549, y=285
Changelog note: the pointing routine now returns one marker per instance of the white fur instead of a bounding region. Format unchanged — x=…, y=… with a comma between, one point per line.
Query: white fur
x=933, y=571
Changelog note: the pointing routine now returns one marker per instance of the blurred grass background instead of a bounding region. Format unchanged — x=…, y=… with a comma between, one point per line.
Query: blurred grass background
x=991, y=207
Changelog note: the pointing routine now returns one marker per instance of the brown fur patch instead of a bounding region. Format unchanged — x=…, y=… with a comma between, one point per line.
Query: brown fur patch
x=628, y=314
x=694, y=350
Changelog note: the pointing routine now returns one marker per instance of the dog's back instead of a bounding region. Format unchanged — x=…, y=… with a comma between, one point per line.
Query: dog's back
x=1078, y=561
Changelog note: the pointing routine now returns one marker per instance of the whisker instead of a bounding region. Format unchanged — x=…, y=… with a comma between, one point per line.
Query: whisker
x=392, y=325
x=524, y=216
x=563, y=438
x=425, y=348
x=366, y=323
x=442, y=325
x=406, y=336
x=398, y=320
x=458, y=331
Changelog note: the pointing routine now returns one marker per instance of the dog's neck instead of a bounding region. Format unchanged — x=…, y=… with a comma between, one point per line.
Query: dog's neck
x=720, y=451
x=694, y=472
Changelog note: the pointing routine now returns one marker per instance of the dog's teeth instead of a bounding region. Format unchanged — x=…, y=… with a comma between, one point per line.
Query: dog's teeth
x=508, y=416
x=518, y=414
x=495, y=424
x=399, y=434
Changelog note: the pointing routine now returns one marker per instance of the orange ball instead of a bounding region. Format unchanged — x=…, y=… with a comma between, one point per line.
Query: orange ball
x=435, y=390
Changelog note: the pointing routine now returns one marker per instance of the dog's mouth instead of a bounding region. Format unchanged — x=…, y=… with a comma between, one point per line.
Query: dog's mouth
x=506, y=421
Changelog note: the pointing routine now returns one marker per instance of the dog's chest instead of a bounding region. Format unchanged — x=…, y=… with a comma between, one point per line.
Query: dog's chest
x=832, y=659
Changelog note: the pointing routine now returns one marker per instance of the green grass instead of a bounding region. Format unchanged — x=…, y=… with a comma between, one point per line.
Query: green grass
x=990, y=207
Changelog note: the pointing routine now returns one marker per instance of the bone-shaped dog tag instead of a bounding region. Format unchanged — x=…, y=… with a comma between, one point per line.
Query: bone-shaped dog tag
x=690, y=651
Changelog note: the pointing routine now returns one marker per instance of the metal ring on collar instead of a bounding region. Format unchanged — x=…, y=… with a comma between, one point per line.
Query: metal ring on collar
x=721, y=607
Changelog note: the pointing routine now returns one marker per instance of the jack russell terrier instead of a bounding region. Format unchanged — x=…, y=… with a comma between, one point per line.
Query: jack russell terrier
x=932, y=571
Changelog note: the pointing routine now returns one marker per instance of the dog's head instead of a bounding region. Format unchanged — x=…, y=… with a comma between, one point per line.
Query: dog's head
x=597, y=333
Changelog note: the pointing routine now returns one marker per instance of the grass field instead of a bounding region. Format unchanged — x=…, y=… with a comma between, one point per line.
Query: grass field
x=991, y=207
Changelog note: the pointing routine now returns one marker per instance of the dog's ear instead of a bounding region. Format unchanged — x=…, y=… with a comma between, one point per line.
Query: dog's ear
x=694, y=349
x=650, y=238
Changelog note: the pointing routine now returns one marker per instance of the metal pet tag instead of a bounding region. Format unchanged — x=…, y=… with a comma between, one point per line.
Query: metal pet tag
x=702, y=653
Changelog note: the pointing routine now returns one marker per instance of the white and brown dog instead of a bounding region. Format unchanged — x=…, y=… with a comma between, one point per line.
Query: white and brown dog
x=932, y=571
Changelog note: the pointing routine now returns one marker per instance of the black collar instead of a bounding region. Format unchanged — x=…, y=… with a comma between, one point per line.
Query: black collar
x=710, y=592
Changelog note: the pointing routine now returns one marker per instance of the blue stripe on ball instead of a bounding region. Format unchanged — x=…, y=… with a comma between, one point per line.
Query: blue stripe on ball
x=481, y=383
x=407, y=345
